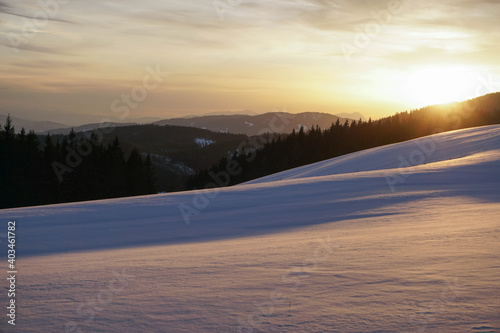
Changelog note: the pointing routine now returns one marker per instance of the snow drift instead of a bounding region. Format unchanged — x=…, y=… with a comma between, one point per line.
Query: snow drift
x=400, y=238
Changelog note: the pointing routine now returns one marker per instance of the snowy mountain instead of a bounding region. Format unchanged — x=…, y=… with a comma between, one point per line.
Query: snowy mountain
x=399, y=238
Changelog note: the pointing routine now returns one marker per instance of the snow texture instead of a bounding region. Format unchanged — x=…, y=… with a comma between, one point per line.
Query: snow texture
x=203, y=142
x=400, y=238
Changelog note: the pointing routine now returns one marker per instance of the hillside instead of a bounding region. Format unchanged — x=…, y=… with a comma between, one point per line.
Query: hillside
x=176, y=151
x=447, y=146
x=106, y=163
x=273, y=122
x=37, y=126
x=84, y=128
x=323, y=249
x=316, y=144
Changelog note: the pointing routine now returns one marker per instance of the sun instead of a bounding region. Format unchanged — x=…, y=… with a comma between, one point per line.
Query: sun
x=439, y=85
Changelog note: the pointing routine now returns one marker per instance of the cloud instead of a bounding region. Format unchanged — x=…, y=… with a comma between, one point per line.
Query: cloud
x=3, y=6
x=273, y=47
x=15, y=10
x=31, y=47
x=341, y=16
x=48, y=18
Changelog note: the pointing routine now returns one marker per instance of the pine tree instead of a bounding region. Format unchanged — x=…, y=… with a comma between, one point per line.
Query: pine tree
x=135, y=174
x=150, y=175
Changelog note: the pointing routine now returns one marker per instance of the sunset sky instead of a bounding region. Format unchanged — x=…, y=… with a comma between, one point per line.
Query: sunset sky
x=70, y=60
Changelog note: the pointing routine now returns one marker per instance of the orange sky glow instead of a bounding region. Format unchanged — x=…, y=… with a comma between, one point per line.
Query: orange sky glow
x=71, y=60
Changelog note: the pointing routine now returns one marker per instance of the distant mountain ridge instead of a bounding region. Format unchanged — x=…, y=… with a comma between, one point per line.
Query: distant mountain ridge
x=353, y=115
x=37, y=126
x=249, y=124
x=272, y=122
x=86, y=127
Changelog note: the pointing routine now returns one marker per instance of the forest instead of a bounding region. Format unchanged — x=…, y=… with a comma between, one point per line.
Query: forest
x=71, y=169
x=305, y=147
x=39, y=170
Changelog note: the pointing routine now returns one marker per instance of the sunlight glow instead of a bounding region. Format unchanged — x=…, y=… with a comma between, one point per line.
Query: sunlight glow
x=438, y=85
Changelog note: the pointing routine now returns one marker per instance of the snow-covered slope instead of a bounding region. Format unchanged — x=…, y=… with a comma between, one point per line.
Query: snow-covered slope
x=321, y=249
x=430, y=149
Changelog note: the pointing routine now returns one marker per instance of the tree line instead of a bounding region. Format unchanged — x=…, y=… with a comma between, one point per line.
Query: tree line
x=75, y=168
x=30, y=175
x=301, y=148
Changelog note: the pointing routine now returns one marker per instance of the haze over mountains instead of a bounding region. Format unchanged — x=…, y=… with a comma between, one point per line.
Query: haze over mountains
x=184, y=156
x=234, y=122
x=37, y=126
x=273, y=122
x=281, y=122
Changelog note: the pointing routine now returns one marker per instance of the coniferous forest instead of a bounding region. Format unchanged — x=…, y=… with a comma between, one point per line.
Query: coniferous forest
x=38, y=170
x=305, y=147
x=68, y=170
